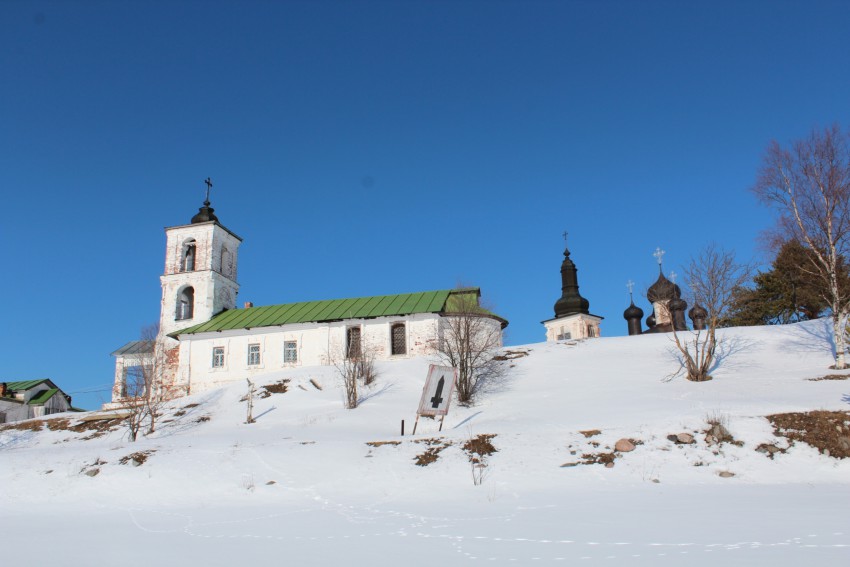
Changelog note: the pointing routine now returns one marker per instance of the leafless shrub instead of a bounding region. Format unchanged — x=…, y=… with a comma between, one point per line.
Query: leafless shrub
x=355, y=363
x=145, y=393
x=478, y=449
x=470, y=338
x=712, y=277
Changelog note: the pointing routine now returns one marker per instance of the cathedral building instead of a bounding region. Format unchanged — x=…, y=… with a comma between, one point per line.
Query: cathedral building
x=205, y=341
x=668, y=307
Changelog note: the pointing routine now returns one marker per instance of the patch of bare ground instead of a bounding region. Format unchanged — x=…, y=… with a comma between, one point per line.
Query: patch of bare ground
x=28, y=425
x=827, y=431
x=280, y=387
x=511, y=355
x=139, y=457
x=382, y=443
x=829, y=377
x=59, y=424
x=480, y=447
x=598, y=459
x=590, y=432
x=266, y=391
x=432, y=453
x=99, y=427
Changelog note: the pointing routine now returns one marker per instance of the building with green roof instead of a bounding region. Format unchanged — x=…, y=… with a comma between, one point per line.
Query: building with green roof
x=25, y=399
x=255, y=340
x=205, y=340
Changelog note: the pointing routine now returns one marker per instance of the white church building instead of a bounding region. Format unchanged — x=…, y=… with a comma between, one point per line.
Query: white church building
x=205, y=341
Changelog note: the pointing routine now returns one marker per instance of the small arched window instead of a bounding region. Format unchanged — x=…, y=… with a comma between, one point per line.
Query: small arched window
x=185, y=304
x=188, y=262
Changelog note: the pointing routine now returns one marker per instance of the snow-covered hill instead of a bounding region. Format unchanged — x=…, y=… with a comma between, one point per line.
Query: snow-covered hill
x=311, y=483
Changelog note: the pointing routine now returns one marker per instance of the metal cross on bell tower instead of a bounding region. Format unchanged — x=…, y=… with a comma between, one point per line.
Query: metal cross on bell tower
x=659, y=254
x=209, y=183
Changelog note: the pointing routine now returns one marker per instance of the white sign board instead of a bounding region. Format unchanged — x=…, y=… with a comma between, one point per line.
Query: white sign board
x=438, y=390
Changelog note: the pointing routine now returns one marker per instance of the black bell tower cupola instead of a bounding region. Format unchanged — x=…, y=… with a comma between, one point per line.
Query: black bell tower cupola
x=570, y=302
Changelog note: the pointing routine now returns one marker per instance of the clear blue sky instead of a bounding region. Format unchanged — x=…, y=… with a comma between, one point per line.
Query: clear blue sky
x=365, y=148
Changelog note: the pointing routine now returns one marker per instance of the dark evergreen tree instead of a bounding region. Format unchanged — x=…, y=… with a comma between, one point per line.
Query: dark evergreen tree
x=790, y=291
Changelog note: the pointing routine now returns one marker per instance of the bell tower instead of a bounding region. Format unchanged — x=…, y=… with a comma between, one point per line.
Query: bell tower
x=199, y=280
x=573, y=319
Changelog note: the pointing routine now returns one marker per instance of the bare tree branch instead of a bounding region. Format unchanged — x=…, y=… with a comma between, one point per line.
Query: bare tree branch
x=470, y=337
x=712, y=278
x=809, y=186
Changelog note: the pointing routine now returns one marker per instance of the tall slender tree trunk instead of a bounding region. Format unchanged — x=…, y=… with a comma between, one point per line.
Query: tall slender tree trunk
x=840, y=339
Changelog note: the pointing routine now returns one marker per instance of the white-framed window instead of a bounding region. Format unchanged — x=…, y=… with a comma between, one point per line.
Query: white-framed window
x=290, y=351
x=218, y=357
x=254, y=354
x=398, y=339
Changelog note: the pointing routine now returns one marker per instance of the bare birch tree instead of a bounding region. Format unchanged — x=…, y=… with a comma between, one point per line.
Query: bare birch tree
x=470, y=337
x=144, y=392
x=712, y=278
x=132, y=404
x=809, y=185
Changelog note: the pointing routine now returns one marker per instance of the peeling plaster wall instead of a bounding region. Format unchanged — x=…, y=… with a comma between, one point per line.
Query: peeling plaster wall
x=576, y=325
x=213, y=280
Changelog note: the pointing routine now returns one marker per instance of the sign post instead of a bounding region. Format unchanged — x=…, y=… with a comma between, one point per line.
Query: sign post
x=437, y=393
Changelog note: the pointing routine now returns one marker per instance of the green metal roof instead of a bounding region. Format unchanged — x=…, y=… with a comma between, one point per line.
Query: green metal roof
x=134, y=348
x=327, y=310
x=24, y=385
x=42, y=397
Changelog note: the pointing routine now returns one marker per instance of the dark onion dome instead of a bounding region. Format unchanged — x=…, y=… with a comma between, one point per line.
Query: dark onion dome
x=205, y=214
x=663, y=290
x=633, y=312
x=677, y=304
x=570, y=301
x=650, y=321
x=697, y=312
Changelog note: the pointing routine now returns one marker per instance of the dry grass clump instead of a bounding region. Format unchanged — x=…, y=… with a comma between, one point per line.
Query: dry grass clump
x=435, y=447
x=100, y=427
x=830, y=377
x=140, y=457
x=511, y=355
x=28, y=425
x=381, y=443
x=277, y=388
x=598, y=458
x=478, y=448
